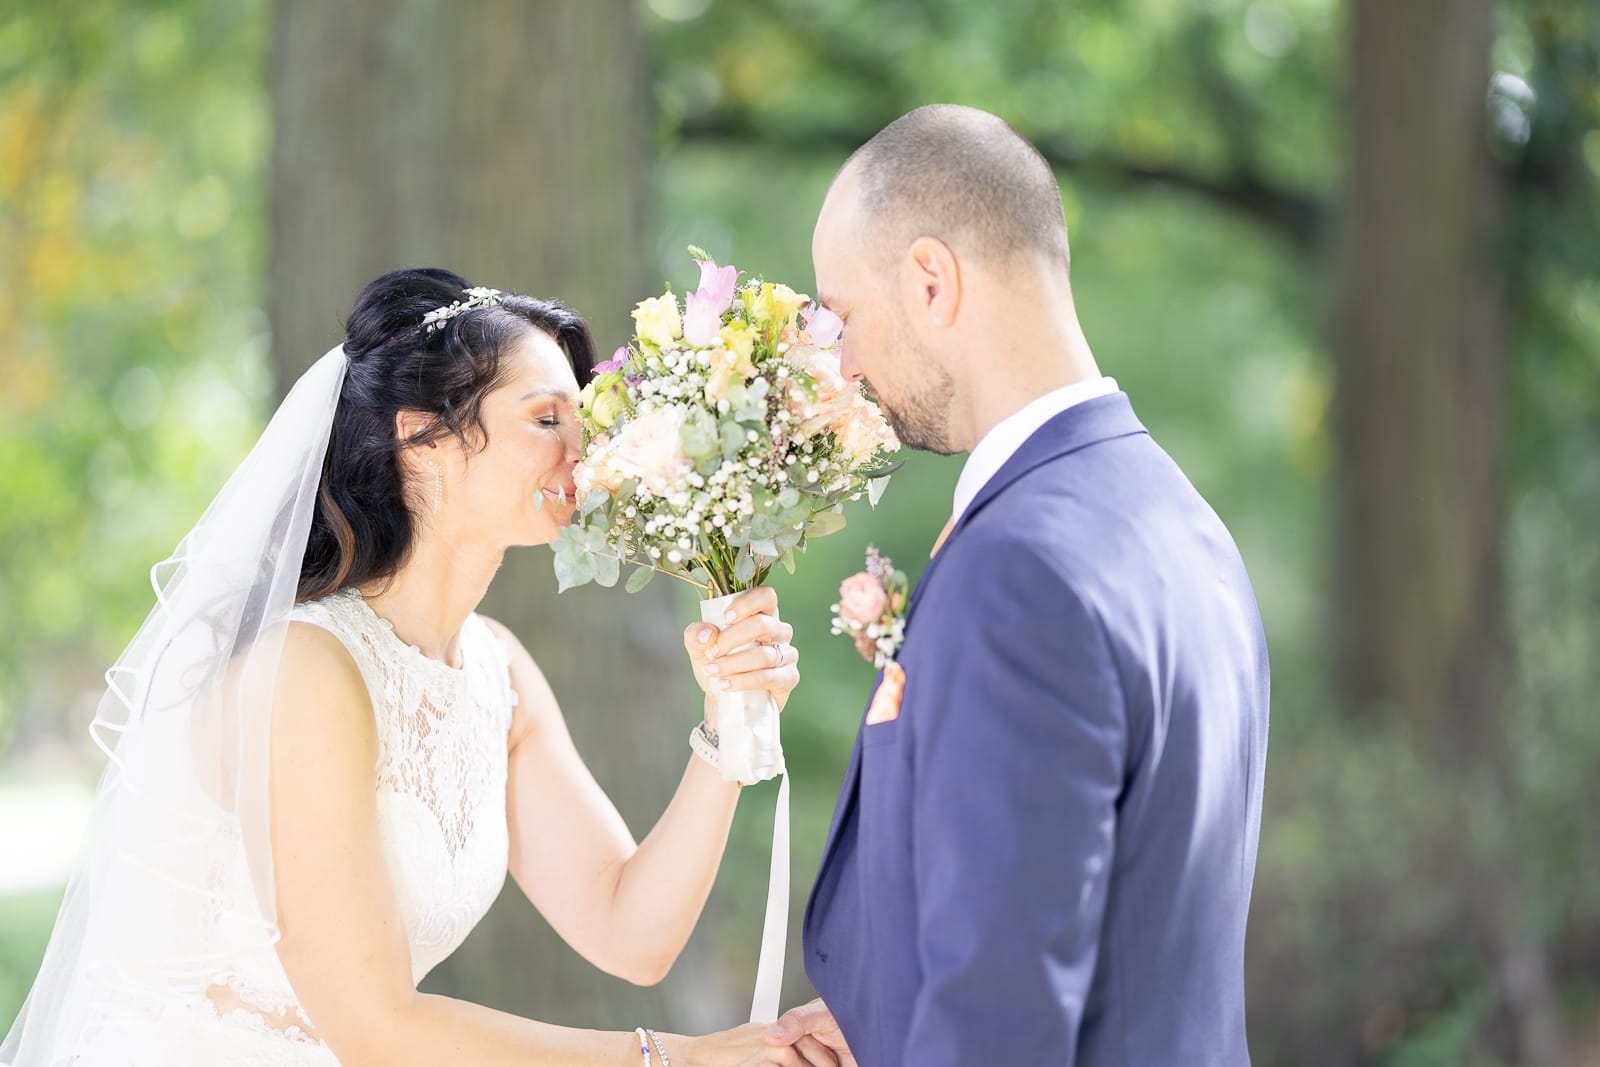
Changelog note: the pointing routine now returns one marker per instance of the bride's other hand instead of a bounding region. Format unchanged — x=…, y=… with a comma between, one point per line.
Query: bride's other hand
x=770, y=663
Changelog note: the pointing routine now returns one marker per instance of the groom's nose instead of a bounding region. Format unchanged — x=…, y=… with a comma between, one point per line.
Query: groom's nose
x=848, y=365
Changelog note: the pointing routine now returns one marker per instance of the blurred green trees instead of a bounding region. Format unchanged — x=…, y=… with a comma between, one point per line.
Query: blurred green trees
x=132, y=145
x=1203, y=147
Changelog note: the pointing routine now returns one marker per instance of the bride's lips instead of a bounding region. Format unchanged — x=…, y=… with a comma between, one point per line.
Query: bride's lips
x=555, y=492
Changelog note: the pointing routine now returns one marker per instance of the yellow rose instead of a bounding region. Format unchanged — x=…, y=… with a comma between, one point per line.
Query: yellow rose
x=764, y=303
x=606, y=407
x=739, y=339
x=658, y=320
x=787, y=303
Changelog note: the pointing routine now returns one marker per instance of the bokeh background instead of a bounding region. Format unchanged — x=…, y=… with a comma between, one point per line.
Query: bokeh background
x=1342, y=255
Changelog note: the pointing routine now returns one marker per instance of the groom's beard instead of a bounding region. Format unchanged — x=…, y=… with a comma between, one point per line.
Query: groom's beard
x=920, y=416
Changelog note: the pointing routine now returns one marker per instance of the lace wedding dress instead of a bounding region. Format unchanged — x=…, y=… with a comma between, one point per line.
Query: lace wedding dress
x=441, y=786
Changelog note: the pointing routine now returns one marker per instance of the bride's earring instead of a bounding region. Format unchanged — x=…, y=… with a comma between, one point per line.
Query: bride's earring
x=438, y=486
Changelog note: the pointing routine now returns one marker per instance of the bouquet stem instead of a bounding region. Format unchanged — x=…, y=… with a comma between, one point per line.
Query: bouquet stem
x=750, y=749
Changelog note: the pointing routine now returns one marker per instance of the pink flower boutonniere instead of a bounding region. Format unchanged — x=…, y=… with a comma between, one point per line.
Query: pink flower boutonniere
x=871, y=610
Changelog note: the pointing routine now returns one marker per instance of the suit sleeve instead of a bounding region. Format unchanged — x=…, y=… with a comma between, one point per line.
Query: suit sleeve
x=1019, y=742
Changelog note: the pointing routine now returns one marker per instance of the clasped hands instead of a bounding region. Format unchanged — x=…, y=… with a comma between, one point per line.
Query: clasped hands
x=807, y=1036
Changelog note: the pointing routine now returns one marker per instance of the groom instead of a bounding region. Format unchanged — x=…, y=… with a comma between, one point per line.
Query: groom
x=1043, y=850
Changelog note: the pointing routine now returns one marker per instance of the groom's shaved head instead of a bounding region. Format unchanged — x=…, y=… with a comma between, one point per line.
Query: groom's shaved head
x=963, y=176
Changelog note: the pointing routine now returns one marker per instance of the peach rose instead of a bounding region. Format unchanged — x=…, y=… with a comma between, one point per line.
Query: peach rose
x=865, y=431
x=862, y=599
x=648, y=447
x=830, y=408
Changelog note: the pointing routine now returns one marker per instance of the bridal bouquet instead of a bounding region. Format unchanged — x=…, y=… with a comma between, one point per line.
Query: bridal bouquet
x=720, y=440
x=715, y=445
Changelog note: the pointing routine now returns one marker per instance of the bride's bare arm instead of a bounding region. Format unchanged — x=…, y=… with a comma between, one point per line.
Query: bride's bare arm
x=344, y=945
x=627, y=908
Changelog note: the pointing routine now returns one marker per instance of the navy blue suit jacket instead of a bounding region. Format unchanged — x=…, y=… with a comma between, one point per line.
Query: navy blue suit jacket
x=1047, y=857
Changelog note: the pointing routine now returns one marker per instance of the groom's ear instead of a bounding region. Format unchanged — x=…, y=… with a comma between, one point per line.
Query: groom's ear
x=937, y=277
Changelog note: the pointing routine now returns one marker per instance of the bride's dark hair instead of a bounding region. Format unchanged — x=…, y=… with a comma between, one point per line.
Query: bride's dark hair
x=363, y=528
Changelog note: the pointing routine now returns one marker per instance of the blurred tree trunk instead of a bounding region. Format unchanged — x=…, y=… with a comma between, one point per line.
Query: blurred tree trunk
x=1421, y=336
x=509, y=141
x=1422, y=339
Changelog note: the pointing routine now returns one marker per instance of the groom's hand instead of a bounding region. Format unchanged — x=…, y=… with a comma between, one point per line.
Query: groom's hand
x=815, y=1021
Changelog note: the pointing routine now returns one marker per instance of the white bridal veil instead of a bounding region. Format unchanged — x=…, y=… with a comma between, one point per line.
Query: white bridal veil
x=175, y=877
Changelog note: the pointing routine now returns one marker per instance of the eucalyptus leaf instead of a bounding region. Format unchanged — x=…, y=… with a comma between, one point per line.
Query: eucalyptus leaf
x=606, y=570
x=751, y=406
x=639, y=579
x=700, y=435
x=881, y=472
x=572, y=570
x=744, y=566
x=824, y=523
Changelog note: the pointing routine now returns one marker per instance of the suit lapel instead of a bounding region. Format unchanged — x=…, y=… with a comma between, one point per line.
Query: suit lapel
x=1082, y=425
x=1090, y=422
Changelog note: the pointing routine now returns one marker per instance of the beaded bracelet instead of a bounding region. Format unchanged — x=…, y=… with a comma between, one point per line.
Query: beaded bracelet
x=660, y=1049
x=644, y=1044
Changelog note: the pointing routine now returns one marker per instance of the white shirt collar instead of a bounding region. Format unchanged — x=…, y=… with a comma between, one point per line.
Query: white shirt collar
x=1008, y=435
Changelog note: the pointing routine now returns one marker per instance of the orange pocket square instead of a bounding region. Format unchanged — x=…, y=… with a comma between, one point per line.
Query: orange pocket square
x=886, y=701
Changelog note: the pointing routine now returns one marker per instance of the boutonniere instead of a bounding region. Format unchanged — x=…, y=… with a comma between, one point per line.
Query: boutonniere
x=871, y=610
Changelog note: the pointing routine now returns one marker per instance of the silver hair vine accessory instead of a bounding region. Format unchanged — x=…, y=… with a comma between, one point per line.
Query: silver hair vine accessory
x=477, y=297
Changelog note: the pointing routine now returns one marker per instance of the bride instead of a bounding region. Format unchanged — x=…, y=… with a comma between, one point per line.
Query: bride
x=323, y=761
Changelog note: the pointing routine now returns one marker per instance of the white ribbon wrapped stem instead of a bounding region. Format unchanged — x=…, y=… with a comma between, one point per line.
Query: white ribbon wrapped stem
x=750, y=750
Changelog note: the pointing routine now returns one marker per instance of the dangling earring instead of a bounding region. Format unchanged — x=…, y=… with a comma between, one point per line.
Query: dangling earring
x=438, y=486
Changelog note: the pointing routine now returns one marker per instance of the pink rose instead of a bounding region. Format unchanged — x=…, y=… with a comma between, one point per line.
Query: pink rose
x=862, y=599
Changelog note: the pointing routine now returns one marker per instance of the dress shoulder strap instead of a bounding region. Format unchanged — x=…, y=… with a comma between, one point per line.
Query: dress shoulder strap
x=341, y=615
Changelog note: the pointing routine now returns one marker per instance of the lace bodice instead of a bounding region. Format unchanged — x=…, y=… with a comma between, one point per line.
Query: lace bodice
x=441, y=771
x=440, y=778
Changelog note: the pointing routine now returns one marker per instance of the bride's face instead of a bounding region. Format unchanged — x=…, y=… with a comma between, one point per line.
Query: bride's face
x=517, y=489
